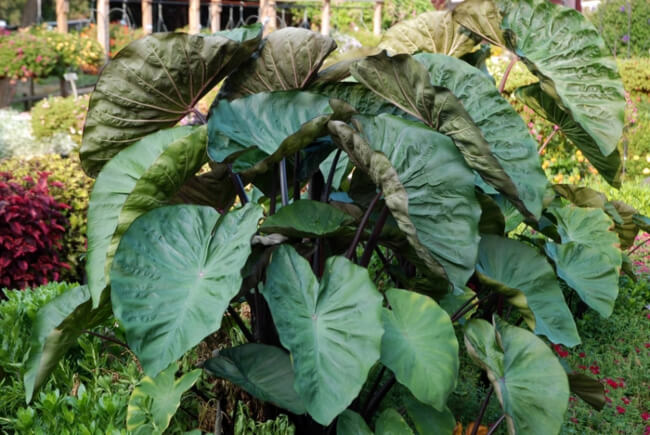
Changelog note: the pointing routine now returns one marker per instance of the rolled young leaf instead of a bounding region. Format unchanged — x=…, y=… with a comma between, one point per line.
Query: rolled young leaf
x=530, y=383
x=502, y=127
x=524, y=276
x=420, y=347
x=432, y=32
x=140, y=178
x=56, y=328
x=154, y=82
x=262, y=370
x=332, y=329
x=405, y=82
x=154, y=401
x=288, y=59
x=174, y=274
x=405, y=159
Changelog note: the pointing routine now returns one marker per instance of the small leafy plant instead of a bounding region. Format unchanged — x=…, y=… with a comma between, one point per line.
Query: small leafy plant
x=411, y=159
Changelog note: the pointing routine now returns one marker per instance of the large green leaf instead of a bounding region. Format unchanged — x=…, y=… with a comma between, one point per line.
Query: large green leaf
x=608, y=166
x=427, y=187
x=419, y=345
x=154, y=401
x=269, y=125
x=492, y=219
x=306, y=218
x=351, y=423
x=390, y=422
x=525, y=277
x=501, y=125
x=174, y=274
x=433, y=32
x=264, y=371
x=56, y=328
x=561, y=47
x=358, y=96
x=481, y=17
x=428, y=420
x=588, y=258
x=588, y=389
x=140, y=178
x=527, y=377
x=627, y=228
x=405, y=82
x=332, y=328
x=288, y=59
x=154, y=82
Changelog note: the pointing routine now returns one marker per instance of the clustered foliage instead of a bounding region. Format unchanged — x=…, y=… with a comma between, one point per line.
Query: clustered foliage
x=623, y=25
x=67, y=184
x=59, y=115
x=32, y=224
x=418, y=163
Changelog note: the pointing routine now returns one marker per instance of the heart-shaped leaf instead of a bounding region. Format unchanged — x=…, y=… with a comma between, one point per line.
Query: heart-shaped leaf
x=588, y=259
x=609, y=166
x=427, y=186
x=525, y=277
x=140, y=178
x=502, y=127
x=154, y=82
x=433, y=32
x=264, y=371
x=482, y=17
x=154, y=401
x=406, y=83
x=306, y=218
x=420, y=346
x=390, y=422
x=263, y=128
x=524, y=373
x=351, y=423
x=332, y=328
x=55, y=330
x=288, y=59
x=174, y=274
x=429, y=420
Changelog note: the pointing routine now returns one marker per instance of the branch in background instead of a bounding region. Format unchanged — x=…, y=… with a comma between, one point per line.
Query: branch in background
x=106, y=338
x=330, y=176
x=496, y=424
x=633, y=250
x=364, y=220
x=239, y=186
x=238, y=320
x=296, y=178
x=481, y=413
x=284, y=188
x=512, y=63
x=548, y=140
x=374, y=237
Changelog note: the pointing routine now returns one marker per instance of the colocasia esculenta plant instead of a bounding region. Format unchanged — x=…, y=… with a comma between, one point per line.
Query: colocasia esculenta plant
x=301, y=176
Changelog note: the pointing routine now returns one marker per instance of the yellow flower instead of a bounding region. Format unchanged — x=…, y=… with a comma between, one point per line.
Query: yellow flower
x=635, y=158
x=647, y=158
x=646, y=171
x=546, y=164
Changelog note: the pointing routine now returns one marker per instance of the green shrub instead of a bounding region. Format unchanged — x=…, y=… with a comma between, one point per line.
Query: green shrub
x=635, y=73
x=611, y=19
x=60, y=115
x=73, y=191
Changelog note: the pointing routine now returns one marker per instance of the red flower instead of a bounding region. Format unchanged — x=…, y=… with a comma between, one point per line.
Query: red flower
x=608, y=400
x=582, y=355
x=572, y=399
x=612, y=383
x=645, y=416
x=625, y=400
x=581, y=367
x=620, y=410
x=647, y=345
x=560, y=351
x=595, y=370
x=574, y=420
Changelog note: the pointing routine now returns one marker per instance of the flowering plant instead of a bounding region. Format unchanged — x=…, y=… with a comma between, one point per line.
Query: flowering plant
x=23, y=56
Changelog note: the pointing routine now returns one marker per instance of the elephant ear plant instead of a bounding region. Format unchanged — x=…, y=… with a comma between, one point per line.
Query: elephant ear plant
x=364, y=221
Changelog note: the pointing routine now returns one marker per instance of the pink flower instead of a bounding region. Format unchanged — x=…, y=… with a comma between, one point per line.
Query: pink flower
x=625, y=400
x=595, y=370
x=620, y=410
x=38, y=58
x=645, y=416
x=608, y=400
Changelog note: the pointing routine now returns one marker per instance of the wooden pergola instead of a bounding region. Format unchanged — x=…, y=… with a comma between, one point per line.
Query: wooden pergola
x=267, y=15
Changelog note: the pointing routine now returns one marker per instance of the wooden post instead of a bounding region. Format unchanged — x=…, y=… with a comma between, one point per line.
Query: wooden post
x=269, y=17
x=215, y=16
x=325, y=18
x=103, y=35
x=195, y=16
x=147, y=17
x=62, y=8
x=376, y=19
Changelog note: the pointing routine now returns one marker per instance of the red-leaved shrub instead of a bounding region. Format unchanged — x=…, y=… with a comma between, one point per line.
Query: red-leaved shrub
x=31, y=228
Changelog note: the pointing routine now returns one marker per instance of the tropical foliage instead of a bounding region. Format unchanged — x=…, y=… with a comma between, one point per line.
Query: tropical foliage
x=301, y=176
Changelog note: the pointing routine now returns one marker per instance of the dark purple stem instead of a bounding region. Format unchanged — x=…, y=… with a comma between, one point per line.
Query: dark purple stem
x=239, y=186
x=330, y=176
x=364, y=220
x=374, y=237
x=481, y=413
